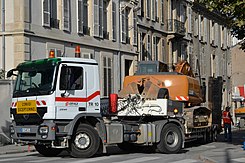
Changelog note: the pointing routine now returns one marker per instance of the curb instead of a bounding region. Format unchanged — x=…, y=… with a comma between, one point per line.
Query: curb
x=14, y=151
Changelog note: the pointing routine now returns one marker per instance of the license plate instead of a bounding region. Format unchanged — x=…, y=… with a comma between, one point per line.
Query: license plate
x=25, y=130
x=26, y=107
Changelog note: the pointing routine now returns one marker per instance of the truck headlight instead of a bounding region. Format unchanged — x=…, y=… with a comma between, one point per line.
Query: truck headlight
x=43, y=130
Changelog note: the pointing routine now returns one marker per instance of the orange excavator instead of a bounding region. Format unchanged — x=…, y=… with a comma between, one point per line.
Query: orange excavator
x=153, y=80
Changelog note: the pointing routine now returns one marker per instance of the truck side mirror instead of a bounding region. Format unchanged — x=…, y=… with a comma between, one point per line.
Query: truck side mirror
x=11, y=73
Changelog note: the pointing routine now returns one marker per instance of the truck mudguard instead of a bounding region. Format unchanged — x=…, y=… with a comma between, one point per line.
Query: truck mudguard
x=89, y=117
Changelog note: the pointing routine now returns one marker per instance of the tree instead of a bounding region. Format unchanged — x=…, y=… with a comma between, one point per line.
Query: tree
x=234, y=11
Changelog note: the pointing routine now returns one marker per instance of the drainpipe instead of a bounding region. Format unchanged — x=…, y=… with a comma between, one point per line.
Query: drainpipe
x=3, y=36
x=119, y=46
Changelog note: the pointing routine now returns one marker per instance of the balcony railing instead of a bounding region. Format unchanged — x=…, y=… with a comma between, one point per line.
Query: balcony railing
x=176, y=26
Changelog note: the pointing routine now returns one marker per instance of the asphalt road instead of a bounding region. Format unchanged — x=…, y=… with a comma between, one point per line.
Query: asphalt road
x=218, y=152
x=191, y=154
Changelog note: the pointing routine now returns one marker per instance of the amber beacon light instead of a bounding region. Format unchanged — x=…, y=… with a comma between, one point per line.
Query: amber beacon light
x=78, y=52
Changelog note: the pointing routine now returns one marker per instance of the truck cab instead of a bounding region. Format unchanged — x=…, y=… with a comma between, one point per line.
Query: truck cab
x=51, y=91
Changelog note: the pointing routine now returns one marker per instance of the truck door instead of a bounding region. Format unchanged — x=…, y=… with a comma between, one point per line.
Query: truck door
x=71, y=91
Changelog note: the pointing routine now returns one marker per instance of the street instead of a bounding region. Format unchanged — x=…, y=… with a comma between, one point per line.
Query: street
x=193, y=153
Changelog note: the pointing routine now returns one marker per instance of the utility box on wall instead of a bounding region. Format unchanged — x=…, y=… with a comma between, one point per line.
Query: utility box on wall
x=6, y=89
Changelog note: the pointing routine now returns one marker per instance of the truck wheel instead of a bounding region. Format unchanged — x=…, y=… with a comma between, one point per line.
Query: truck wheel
x=47, y=151
x=85, y=141
x=170, y=139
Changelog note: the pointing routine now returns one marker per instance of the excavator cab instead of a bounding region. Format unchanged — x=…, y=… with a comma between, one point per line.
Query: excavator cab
x=151, y=67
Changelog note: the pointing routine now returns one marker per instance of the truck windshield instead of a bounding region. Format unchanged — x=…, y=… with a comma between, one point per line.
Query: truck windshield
x=37, y=80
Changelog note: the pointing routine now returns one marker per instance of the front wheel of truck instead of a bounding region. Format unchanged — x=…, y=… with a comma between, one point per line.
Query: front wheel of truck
x=85, y=141
x=47, y=151
x=170, y=139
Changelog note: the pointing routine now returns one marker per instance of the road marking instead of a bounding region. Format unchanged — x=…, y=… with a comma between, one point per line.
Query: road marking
x=136, y=160
x=185, y=161
x=239, y=159
x=43, y=159
x=96, y=159
x=209, y=146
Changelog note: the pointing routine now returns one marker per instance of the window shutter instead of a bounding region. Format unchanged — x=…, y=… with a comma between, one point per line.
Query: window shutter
x=80, y=16
x=153, y=8
x=225, y=37
x=189, y=20
x=123, y=34
x=96, y=18
x=199, y=27
x=216, y=34
x=101, y=18
x=66, y=15
x=135, y=29
x=211, y=31
x=149, y=56
x=148, y=8
x=196, y=27
x=205, y=35
x=154, y=50
x=114, y=32
x=46, y=13
x=162, y=11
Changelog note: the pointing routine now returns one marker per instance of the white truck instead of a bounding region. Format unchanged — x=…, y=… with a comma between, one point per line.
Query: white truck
x=56, y=106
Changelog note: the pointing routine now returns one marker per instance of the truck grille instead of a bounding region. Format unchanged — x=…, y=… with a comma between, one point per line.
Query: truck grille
x=24, y=119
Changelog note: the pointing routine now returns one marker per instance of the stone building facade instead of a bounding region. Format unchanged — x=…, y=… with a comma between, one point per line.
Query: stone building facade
x=117, y=34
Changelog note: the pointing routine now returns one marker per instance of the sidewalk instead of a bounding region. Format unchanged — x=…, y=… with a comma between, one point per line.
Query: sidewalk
x=226, y=152
x=10, y=149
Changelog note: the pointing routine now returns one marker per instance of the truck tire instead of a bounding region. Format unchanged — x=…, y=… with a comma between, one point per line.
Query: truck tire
x=170, y=139
x=85, y=141
x=47, y=151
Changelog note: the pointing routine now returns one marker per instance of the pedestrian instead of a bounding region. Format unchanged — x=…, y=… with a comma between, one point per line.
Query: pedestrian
x=227, y=121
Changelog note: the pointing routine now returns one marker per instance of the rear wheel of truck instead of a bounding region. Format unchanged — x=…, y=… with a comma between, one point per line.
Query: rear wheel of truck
x=47, y=151
x=85, y=142
x=170, y=139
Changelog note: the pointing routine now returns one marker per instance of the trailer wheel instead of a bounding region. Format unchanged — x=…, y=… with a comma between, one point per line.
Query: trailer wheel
x=171, y=139
x=47, y=151
x=85, y=141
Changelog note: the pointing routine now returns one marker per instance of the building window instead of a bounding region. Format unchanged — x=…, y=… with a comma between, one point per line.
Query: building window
x=105, y=31
x=66, y=15
x=148, y=8
x=124, y=17
x=211, y=32
x=189, y=20
x=98, y=18
x=135, y=28
x=164, y=57
x=153, y=10
x=114, y=31
x=162, y=11
x=155, y=47
x=107, y=76
x=82, y=20
x=46, y=13
x=148, y=48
